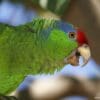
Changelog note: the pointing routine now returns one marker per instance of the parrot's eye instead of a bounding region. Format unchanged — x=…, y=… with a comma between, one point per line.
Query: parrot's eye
x=72, y=35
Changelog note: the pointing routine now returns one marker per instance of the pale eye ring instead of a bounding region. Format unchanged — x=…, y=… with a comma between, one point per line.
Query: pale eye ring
x=72, y=35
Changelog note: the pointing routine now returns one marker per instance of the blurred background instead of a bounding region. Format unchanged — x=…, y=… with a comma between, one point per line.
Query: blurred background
x=82, y=13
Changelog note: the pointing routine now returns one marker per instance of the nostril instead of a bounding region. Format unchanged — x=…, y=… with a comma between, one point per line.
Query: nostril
x=86, y=46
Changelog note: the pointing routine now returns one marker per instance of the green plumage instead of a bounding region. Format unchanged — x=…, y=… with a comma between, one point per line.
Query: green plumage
x=35, y=48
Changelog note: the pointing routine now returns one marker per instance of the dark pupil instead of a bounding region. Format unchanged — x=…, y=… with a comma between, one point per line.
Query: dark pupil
x=72, y=35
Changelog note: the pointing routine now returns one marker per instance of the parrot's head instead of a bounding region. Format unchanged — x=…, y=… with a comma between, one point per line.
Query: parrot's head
x=82, y=50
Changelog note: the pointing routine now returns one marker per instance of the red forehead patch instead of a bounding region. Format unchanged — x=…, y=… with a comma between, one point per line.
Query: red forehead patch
x=81, y=37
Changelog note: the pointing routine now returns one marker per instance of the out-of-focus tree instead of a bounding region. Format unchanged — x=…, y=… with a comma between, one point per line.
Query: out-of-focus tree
x=56, y=6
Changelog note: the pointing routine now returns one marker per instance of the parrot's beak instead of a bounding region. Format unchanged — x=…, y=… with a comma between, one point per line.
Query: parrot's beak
x=82, y=51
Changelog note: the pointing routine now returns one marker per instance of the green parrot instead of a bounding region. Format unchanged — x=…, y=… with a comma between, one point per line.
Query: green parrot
x=40, y=46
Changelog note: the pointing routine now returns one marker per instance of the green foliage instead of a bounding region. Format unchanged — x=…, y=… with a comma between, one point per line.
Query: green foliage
x=58, y=6
x=25, y=50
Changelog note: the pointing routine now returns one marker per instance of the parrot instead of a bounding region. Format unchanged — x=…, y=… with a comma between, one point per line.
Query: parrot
x=41, y=46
